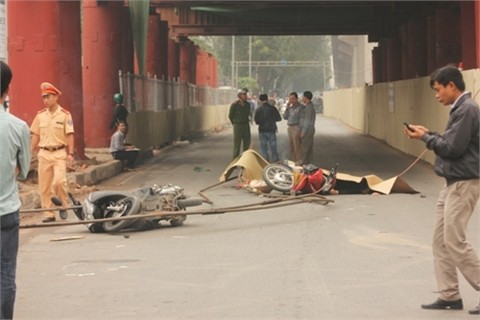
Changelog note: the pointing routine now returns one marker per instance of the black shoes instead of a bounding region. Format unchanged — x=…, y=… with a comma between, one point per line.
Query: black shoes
x=442, y=304
x=49, y=219
x=475, y=310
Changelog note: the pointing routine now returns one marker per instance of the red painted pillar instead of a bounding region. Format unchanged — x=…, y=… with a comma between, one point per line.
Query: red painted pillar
x=477, y=33
x=394, y=63
x=187, y=61
x=106, y=26
x=430, y=44
x=418, y=48
x=153, y=46
x=44, y=45
x=467, y=34
x=213, y=71
x=447, y=41
x=202, y=69
x=173, y=59
x=405, y=69
x=163, y=47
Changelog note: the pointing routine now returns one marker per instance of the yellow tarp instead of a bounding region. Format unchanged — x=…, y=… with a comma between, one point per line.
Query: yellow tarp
x=251, y=165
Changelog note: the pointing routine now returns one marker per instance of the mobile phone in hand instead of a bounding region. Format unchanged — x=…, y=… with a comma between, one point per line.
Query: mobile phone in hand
x=408, y=127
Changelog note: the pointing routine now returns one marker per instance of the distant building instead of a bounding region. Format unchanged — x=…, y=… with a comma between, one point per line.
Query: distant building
x=352, y=61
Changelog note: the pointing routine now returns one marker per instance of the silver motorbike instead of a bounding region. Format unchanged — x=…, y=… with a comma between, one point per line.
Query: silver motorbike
x=145, y=200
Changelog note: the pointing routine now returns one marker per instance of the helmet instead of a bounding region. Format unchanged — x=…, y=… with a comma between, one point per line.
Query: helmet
x=118, y=98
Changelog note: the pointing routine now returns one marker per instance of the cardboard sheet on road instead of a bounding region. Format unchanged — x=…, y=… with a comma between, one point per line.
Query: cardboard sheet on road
x=251, y=165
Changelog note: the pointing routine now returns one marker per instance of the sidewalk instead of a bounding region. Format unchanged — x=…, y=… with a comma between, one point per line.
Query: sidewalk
x=102, y=166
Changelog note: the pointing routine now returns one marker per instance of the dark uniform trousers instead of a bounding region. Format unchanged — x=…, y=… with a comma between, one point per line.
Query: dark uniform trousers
x=241, y=133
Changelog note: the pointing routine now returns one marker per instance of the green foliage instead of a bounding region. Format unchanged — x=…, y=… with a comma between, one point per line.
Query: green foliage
x=282, y=79
x=248, y=82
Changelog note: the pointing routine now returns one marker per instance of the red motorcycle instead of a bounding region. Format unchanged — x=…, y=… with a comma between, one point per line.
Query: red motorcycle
x=305, y=179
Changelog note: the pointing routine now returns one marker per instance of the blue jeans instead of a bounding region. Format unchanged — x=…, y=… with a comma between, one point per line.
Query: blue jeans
x=9, y=226
x=268, y=139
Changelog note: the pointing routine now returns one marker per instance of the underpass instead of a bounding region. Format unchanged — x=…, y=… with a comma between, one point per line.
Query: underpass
x=361, y=257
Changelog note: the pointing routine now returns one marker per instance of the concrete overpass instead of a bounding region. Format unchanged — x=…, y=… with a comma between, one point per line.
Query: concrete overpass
x=415, y=37
x=81, y=45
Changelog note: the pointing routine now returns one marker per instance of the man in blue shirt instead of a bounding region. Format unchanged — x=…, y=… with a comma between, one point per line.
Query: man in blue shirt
x=292, y=115
x=14, y=161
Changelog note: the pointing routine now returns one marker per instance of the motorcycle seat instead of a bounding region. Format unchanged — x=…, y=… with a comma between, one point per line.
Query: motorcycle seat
x=310, y=168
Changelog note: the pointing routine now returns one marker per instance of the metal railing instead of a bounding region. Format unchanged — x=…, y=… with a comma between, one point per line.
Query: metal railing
x=142, y=93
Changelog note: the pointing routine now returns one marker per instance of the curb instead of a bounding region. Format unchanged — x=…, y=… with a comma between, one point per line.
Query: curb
x=90, y=176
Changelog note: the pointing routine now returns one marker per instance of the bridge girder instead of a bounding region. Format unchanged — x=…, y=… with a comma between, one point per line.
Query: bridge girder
x=377, y=19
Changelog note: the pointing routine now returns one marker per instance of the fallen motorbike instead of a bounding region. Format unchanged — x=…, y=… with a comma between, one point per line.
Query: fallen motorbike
x=145, y=200
x=306, y=179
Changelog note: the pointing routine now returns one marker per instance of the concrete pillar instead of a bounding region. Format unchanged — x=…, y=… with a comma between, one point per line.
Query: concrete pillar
x=106, y=26
x=376, y=66
x=44, y=45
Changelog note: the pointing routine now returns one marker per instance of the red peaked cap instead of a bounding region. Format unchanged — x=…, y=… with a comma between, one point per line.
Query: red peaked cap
x=48, y=88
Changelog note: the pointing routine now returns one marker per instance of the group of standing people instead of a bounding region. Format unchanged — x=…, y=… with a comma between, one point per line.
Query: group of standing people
x=301, y=127
x=300, y=121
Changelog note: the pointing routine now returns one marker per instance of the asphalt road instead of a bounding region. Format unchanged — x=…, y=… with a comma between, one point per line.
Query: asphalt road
x=361, y=257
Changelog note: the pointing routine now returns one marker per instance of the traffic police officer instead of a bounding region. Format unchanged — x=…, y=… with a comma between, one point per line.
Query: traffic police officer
x=52, y=136
x=240, y=116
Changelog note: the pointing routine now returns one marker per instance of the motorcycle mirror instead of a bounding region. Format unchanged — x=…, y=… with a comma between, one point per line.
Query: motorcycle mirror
x=56, y=201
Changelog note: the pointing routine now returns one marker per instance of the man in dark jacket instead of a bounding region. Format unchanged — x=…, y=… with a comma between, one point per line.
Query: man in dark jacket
x=307, y=127
x=266, y=117
x=457, y=151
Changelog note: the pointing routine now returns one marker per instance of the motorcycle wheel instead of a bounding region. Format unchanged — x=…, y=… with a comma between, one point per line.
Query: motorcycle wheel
x=278, y=177
x=129, y=206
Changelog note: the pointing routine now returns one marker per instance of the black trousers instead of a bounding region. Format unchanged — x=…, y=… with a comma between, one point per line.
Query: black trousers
x=9, y=227
x=129, y=155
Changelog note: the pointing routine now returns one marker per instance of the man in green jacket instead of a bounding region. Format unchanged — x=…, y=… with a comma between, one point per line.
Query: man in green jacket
x=240, y=117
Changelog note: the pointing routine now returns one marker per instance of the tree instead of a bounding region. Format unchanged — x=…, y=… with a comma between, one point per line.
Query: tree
x=280, y=79
x=248, y=82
